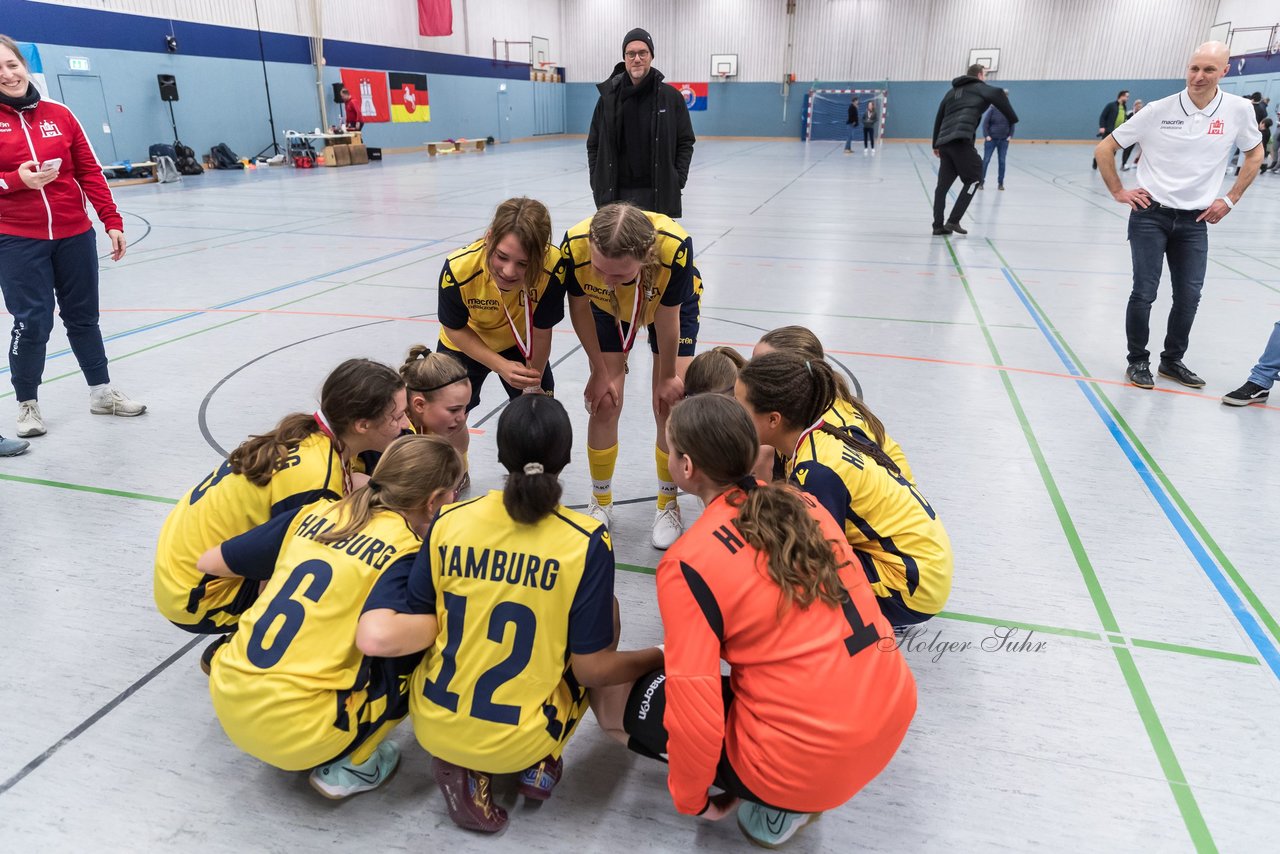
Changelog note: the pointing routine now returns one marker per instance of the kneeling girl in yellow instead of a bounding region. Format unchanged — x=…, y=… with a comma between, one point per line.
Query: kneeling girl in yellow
x=306, y=457
x=295, y=686
x=895, y=533
x=514, y=594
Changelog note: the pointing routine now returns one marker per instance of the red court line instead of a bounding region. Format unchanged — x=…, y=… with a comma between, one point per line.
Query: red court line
x=748, y=346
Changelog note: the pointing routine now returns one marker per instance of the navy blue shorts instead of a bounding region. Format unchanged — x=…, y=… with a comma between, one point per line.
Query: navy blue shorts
x=477, y=372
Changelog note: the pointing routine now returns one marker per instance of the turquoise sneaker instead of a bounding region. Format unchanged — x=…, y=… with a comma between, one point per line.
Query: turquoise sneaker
x=13, y=447
x=770, y=828
x=340, y=779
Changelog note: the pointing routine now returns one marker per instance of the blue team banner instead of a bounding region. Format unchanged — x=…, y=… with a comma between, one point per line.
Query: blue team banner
x=32, y=54
x=695, y=94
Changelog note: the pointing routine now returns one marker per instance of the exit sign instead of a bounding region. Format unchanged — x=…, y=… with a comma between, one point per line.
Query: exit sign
x=78, y=63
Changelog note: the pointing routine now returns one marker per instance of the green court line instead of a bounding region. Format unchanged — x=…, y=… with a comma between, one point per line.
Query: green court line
x=1243, y=274
x=1192, y=519
x=1183, y=796
x=77, y=487
x=1194, y=650
x=1031, y=627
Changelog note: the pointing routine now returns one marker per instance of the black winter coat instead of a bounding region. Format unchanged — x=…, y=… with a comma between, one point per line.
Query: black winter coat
x=961, y=110
x=672, y=144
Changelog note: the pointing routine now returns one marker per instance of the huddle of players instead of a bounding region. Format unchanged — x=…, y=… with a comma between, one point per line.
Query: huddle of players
x=347, y=601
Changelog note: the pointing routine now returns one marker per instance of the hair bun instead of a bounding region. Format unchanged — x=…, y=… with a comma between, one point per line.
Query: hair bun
x=533, y=468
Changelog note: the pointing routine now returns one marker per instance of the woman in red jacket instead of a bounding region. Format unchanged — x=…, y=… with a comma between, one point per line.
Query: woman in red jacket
x=48, y=250
x=818, y=697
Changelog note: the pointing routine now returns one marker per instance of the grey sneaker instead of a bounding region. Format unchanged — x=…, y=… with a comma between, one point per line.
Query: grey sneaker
x=13, y=447
x=112, y=401
x=29, y=421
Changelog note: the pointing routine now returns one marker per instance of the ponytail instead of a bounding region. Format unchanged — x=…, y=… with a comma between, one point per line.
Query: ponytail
x=800, y=390
x=414, y=471
x=803, y=342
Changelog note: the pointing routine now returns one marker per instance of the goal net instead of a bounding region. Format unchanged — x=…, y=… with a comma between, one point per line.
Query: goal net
x=827, y=115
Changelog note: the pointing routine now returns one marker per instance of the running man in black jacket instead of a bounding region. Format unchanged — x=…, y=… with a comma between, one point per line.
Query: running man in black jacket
x=953, y=131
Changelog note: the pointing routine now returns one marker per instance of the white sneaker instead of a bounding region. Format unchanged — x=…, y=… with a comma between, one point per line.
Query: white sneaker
x=342, y=779
x=602, y=514
x=29, y=421
x=873, y=152
x=865, y=152
x=667, y=526
x=112, y=401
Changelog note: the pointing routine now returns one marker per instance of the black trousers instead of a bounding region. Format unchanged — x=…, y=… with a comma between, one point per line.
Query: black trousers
x=960, y=160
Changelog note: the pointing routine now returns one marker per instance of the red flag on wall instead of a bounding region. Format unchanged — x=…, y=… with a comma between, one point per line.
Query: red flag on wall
x=435, y=17
x=369, y=90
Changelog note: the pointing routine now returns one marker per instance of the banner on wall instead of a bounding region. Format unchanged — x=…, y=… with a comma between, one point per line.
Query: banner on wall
x=369, y=90
x=435, y=17
x=409, y=102
x=695, y=94
x=32, y=55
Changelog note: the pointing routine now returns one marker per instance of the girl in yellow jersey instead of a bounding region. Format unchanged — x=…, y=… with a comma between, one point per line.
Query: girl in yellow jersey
x=848, y=410
x=499, y=298
x=306, y=457
x=895, y=533
x=297, y=685
x=626, y=268
x=514, y=594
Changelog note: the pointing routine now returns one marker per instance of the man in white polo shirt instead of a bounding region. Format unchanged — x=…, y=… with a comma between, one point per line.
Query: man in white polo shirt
x=1186, y=140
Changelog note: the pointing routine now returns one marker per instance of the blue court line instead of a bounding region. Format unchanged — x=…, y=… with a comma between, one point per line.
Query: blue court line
x=190, y=314
x=1242, y=613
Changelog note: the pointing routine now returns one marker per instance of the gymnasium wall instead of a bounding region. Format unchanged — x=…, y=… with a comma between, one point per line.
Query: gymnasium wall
x=891, y=39
x=220, y=80
x=1047, y=109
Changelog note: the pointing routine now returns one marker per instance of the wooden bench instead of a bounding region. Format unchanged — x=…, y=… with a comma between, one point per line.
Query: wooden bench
x=434, y=148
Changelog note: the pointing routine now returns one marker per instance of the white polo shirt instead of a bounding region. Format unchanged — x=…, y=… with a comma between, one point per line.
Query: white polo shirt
x=1184, y=149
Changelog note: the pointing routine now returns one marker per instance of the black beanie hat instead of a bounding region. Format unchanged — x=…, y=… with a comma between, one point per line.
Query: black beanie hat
x=637, y=35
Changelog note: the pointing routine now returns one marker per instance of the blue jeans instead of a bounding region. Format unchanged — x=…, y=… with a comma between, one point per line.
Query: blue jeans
x=35, y=272
x=1267, y=370
x=848, y=140
x=994, y=145
x=1155, y=233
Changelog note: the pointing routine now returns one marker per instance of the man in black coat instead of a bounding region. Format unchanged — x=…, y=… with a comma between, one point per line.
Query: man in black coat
x=1112, y=116
x=953, y=131
x=641, y=138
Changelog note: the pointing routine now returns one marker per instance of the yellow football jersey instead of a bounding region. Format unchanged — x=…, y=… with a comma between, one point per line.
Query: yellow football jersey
x=290, y=687
x=468, y=297
x=514, y=601
x=674, y=284
x=842, y=414
x=221, y=506
x=883, y=516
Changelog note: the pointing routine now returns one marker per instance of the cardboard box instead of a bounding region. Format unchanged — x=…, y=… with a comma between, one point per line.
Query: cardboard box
x=337, y=155
x=359, y=154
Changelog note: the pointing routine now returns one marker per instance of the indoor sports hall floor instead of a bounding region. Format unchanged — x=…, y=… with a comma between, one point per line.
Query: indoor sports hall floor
x=1133, y=532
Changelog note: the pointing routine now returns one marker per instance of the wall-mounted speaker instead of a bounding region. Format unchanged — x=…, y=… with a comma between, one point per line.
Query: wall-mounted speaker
x=168, y=87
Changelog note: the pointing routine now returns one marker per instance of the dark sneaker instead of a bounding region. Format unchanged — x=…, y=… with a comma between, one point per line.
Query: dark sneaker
x=1139, y=373
x=538, y=782
x=1248, y=393
x=1002, y=186
x=1180, y=373
x=206, y=657
x=980, y=184
x=955, y=228
x=941, y=229
x=469, y=797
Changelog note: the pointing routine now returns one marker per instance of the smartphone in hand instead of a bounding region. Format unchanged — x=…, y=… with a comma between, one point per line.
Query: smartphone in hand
x=51, y=165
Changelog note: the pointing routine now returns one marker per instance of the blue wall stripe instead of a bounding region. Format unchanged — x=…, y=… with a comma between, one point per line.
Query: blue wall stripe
x=1228, y=593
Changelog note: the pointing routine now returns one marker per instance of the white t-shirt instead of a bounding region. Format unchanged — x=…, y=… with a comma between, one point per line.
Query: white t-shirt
x=1185, y=150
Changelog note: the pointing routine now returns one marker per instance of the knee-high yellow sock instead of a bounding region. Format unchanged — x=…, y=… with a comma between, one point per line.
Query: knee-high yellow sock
x=666, y=486
x=601, y=463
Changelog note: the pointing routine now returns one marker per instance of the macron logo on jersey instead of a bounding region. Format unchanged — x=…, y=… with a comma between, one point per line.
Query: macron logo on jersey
x=49, y=129
x=1216, y=127
x=5, y=127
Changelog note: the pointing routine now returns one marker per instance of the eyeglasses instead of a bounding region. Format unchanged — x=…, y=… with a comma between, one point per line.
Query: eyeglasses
x=637, y=54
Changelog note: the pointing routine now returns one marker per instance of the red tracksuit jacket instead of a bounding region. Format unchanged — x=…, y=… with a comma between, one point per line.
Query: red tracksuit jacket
x=59, y=209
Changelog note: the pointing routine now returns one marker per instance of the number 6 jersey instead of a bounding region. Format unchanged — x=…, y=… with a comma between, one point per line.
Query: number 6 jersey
x=514, y=601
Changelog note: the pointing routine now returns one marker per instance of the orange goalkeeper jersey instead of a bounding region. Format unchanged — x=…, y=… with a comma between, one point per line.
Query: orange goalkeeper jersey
x=821, y=696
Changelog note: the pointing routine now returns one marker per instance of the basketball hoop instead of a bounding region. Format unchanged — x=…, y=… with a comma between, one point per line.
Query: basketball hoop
x=722, y=75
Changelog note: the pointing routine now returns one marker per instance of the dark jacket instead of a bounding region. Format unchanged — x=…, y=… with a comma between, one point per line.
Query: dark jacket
x=1107, y=121
x=962, y=108
x=853, y=114
x=672, y=143
x=995, y=125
